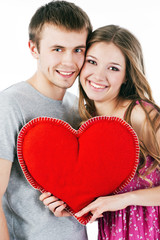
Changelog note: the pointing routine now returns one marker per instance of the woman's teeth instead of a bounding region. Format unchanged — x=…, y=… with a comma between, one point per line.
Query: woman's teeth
x=97, y=85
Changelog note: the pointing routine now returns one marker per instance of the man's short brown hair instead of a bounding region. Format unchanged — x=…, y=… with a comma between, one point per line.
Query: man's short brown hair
x=60, y=13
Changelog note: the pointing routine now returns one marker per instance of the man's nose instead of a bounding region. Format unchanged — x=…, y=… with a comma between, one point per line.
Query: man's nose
x=67, y=59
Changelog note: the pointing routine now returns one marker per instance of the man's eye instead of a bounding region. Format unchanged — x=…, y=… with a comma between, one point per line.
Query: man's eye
x=58, y=50
x=114, y=69
x=78, y=50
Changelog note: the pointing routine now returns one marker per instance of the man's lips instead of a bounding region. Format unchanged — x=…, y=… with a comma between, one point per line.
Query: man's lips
x=65, y=73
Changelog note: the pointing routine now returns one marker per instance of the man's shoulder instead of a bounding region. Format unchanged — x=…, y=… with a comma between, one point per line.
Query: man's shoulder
x=11, y=97
x=12, y=90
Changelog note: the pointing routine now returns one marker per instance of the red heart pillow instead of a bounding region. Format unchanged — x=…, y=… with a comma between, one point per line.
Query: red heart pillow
x=78, y=166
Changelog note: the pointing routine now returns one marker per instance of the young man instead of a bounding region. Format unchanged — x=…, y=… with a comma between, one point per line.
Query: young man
x=58, y=32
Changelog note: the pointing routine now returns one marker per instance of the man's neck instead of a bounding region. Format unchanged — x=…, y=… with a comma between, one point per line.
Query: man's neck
x=48, y=89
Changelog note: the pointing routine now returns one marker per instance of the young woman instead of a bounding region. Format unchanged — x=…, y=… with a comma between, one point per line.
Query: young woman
x=113, y=83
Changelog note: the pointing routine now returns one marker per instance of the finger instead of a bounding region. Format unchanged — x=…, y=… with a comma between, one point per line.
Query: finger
x=50, y=200
x=44, y=195
x=84, y=211
x=52, y=206
x=66, y=214
x=100, y=215
x=95, y=216
x=59, y=211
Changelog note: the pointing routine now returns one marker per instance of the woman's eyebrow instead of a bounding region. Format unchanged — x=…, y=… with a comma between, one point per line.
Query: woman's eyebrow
x=91, y=56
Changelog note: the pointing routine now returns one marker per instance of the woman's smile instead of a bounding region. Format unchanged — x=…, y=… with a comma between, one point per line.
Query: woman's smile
x=96, y=86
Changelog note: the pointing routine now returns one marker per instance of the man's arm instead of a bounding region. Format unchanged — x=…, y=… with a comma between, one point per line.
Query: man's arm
x=5, y=168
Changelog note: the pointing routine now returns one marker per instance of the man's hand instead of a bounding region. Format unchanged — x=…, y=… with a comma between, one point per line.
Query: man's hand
x=54, y=204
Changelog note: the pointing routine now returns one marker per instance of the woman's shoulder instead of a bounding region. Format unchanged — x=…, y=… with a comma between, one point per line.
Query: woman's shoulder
x=144, y=114
x=144, y=110
x=138, y=118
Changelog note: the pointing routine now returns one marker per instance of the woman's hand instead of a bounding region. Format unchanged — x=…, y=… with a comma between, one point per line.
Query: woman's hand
x=103, y=204
x=54, y=204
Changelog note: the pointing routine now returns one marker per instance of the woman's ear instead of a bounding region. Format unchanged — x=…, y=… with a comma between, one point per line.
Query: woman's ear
x=33, y=49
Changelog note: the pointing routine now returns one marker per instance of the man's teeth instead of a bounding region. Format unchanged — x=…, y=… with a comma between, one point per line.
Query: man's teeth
x=65, y=73
x=96, y=86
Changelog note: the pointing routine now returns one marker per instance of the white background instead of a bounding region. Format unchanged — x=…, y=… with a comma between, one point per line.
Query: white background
x=141, y=17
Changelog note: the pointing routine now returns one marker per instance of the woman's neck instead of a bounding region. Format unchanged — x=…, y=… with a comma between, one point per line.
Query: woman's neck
x=115, y=108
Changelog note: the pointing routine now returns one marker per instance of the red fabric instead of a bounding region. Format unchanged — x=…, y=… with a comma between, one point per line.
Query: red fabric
x=78, y=166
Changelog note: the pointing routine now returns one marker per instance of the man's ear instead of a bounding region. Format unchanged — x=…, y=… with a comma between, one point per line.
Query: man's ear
x=33, y=48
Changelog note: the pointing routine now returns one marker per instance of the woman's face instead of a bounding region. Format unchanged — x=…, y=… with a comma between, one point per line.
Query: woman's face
x=103, y=72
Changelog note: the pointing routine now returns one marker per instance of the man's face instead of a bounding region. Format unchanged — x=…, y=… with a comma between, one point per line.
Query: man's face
x=60, y=57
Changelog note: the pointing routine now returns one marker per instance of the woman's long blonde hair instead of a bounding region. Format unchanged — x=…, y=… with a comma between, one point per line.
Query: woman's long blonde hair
x=136, y=87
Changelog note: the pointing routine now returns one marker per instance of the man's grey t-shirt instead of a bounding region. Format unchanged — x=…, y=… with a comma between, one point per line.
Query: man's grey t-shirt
x=26, y=215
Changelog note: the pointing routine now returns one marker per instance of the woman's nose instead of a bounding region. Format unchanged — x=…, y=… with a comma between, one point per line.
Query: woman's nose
x=100, y=74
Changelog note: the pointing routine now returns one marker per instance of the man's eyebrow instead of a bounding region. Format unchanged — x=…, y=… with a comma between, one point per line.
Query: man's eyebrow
x=81, y=46
x=58, y=46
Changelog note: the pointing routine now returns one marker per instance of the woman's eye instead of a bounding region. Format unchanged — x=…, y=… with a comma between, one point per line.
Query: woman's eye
x=91, y=61
x=114, y=68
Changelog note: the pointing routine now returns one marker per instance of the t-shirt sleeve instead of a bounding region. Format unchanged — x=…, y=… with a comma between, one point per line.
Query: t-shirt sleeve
x=11, y=121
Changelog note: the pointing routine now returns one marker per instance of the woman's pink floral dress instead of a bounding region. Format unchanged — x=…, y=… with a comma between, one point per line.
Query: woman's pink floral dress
x=133, y=222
